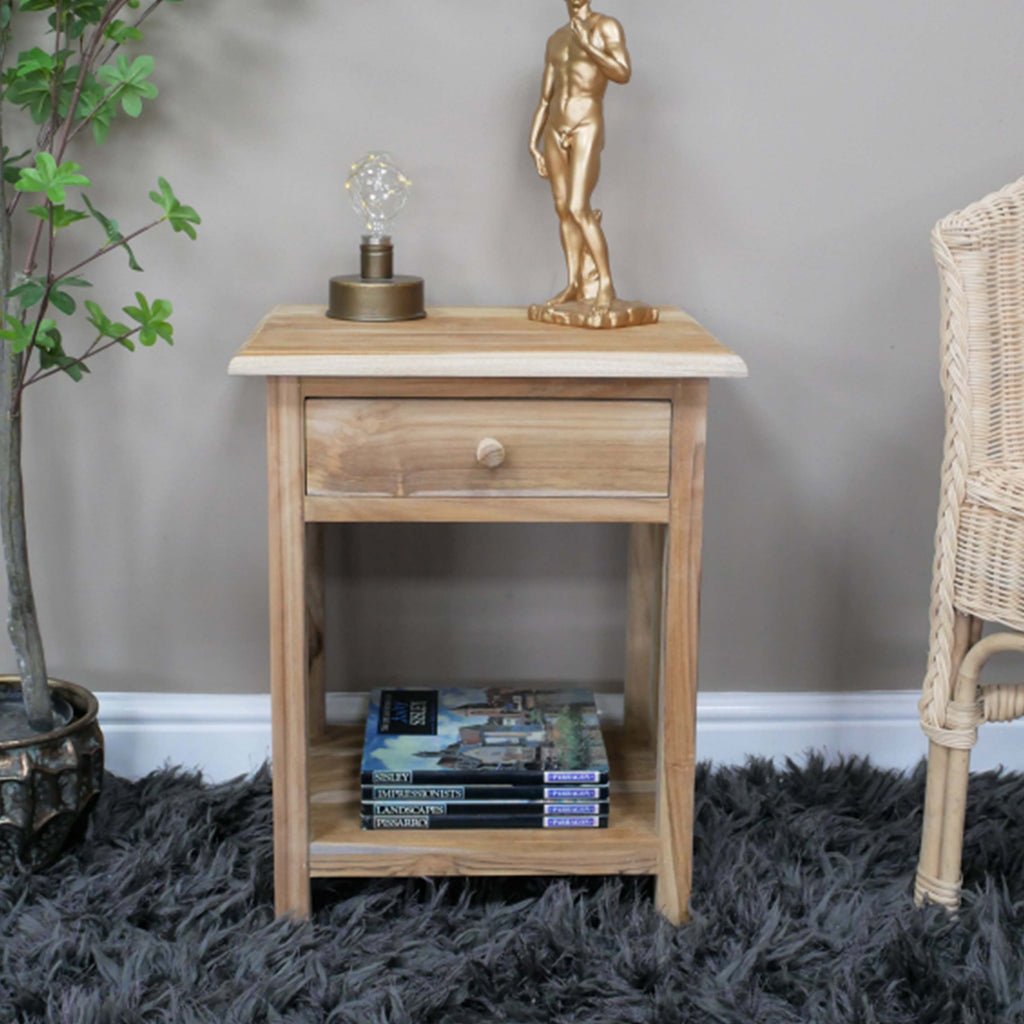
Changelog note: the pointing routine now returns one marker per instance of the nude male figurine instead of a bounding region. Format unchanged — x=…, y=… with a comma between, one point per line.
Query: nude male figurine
x=582, y=57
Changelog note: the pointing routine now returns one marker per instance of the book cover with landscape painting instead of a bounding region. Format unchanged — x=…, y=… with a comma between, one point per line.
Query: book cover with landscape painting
x=494, y=735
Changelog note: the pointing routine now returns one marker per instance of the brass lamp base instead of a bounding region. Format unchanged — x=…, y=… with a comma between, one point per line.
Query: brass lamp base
x=376, y=295
x=393, y=298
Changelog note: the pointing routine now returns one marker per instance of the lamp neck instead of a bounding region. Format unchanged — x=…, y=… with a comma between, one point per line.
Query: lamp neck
x=376, y=259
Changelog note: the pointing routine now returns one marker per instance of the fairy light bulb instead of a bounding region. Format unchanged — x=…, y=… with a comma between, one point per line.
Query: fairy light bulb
x=378, y=190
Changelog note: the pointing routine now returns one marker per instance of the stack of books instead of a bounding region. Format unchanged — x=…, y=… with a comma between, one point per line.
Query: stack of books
x=483, y=758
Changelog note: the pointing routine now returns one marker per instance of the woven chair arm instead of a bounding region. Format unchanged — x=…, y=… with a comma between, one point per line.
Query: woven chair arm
x=969, y=708
x=1004, y=702
x=1001, y=702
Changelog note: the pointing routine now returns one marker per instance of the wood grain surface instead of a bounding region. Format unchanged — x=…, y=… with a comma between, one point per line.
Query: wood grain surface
x=479, y=342
x=430, y=448
x=677, y=717
x=289, y=652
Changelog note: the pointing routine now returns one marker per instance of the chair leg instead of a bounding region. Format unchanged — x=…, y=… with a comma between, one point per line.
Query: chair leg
x=931, y=829
x=945, y=799
x=964, y=714
x=952, y=848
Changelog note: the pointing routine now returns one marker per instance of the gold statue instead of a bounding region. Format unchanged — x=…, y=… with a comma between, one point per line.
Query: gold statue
x=582, y=57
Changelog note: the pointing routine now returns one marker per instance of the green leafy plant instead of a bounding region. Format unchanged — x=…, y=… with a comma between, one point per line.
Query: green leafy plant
x=83, y=78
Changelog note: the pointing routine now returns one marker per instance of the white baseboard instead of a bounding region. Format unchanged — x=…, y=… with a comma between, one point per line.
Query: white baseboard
x=229, y=735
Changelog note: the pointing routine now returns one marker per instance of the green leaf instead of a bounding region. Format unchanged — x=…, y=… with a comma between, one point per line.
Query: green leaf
x=47, y=336
x=20, y=335
x=11, y=171
x=107, y=327
x=130, y=81
x=30, y=82
x=61, y=216
x=76, y=15
x=152, y=319
x=47, y=177
x=29, y=85
x=64, y=302
x=113, y=233
x=33, y=60
x=50, y=358
x=97, y=317
x=121, y=32
x=181, y=217
x=29, y=291
x=101, y=122
x=96, y=106
x=91, y=11
x=17, y=333
x=54, y=356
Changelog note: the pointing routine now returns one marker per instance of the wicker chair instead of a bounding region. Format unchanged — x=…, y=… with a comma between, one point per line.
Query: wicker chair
x=978, y=571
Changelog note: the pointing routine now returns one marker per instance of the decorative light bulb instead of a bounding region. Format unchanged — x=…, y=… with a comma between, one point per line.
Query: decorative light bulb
x=378, y=189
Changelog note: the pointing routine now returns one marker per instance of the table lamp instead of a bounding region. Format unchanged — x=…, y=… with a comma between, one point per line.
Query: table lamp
x=378, y=189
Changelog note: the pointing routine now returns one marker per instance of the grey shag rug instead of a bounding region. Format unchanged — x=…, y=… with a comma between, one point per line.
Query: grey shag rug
x=802, y=913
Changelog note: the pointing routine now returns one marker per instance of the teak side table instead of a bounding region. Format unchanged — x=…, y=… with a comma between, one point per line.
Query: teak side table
x=480, y=415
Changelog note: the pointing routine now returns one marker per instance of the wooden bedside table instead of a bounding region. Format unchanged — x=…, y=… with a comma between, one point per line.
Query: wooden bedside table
x=480, y=415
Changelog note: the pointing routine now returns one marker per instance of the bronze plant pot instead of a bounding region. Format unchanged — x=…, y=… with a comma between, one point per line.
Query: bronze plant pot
x=48, y=782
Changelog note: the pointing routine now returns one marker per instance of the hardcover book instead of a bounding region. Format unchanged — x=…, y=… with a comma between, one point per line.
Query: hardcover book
x=449, y=794
x=424, y=821
x=498, y=735
x=481, y=808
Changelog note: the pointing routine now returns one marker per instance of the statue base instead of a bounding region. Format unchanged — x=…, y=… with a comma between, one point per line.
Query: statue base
x=621, y=313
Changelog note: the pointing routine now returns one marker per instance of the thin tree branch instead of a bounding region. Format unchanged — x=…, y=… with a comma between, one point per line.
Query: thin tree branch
x=52, y=279
x=110, y=94
x=58, y=149
x=88, y=62
x=58, y=69
x=104, y=57
x=108, y=248
x=33, y=248
x=90, y=353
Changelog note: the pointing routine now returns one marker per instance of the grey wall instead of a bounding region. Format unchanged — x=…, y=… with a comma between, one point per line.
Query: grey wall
x=775, y=169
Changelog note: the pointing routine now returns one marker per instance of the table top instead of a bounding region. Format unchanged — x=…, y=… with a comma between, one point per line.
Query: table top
x=453, y=341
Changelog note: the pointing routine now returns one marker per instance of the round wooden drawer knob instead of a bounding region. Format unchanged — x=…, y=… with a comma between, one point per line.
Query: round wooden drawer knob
x=490, y=453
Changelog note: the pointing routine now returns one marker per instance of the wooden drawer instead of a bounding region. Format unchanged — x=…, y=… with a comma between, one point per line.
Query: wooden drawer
x=441, y=447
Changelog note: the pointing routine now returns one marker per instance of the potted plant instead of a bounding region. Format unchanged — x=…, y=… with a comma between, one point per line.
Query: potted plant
x=59, y=96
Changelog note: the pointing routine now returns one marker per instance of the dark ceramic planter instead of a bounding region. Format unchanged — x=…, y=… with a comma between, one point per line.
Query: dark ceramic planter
x=48, y=782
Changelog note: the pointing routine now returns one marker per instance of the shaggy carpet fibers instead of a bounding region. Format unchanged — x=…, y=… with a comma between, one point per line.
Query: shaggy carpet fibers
x=801, y=913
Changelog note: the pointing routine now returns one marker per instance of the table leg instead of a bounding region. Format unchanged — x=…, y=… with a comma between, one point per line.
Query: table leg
x=643, y=635
x=288, y=647
x=678, y=703
x=315, y=629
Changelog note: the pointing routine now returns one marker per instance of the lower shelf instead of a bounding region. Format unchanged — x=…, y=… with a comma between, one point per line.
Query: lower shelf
x=340, y=848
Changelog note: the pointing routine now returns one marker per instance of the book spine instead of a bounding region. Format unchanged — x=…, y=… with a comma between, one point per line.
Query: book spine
x=483, y=792
x=486, y=776
x=509, y=808
x=420, y=822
